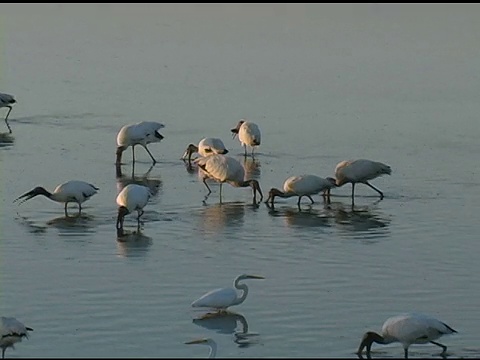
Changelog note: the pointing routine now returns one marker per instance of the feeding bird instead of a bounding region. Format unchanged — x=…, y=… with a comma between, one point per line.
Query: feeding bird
x=221, y=299
x=248, y=133
x=7, y=101
x=408, y=329
x=133, y=197
x=303, y=185
x=360, y=171
x=222, y=168
x=143, y=133
x=206, y=147
x=206, y=341
x=71, y=191
x=11, y=332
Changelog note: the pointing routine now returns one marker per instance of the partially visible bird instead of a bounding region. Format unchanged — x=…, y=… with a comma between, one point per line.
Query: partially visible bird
x=408, y=329
x=11, y=332
x=360, y=171
x=206, y=147
x=248, y=133
x=76, y=191
x=7, y=101
x=222, y=168
x=206, y=341
x=133, y=197
x=222, y=298
x=142, y=133
x=303, y=185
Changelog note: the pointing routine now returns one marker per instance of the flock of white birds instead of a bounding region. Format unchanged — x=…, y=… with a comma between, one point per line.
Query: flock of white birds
x=214, y=164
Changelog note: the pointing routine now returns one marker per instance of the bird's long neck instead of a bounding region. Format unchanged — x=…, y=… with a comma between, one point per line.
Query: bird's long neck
x=213, y=350
x=286, y=194
x=244, y=289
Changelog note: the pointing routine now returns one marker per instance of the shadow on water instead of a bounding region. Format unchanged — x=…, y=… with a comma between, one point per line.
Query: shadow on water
x=227, y=323
x=132, y=243
x=217, y=217
x=67, y=225
x=308, y=216
x=153, y=183
x=251, y=167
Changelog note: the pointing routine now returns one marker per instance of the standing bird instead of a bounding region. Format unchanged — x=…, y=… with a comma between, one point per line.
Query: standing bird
x=221, y=299
x=7, y=100
x=143, y=133
x=248, y=134
x=72, y=191
x=360, y=171
x=303, y=185
x=407, y=329
x=11, y=332
x=206, y=341
x=222, y=168
x=132, y=197
x=206, y=147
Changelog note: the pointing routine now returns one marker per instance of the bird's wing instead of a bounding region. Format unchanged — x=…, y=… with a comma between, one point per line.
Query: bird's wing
x=218, y=298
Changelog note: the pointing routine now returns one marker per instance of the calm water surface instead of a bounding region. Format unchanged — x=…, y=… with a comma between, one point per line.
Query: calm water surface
x=325, y=82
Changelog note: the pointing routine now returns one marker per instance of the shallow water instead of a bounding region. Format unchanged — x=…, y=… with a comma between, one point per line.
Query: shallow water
x=325, y=82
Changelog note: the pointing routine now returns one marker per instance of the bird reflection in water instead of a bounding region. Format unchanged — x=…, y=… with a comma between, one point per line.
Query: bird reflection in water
x=216, y=217
x=227, y=322
x=252, y=168
x=6, y=139
x=132, y=243
x=154, y=184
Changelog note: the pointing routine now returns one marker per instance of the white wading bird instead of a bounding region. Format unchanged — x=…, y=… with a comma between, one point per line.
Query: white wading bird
x=206, y=147
x=248, y=134
x=11, y=332
x=133, y=197
x=221, y=299
x=360, y=171
x=143, y=133
x=407, y=329
x=75, y=191
x=303, y=185
x=7, y=101
x=206, y=341
x=222, y=168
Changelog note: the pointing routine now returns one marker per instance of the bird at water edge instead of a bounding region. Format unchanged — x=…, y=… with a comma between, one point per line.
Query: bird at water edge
x=248, y=133
x=7, y=101
x=133, y=197
x=75, y=191
x=206, y=147
x=11, y=332
x=407, y=329
x=142, y=133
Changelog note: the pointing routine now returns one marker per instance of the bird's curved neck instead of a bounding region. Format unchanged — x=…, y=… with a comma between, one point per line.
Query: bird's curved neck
x=244, y=289
x=286, y=194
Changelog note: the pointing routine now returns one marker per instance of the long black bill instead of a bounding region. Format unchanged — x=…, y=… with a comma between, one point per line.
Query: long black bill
x=158, y=135
x=26, y=196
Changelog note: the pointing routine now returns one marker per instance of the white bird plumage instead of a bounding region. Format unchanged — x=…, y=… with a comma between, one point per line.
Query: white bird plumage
x=142, y=133
x=222, y=298
x=248, y=133
x=76, y=191
x=7, y=101
x=222, y=168
x=408, y=329
x=133, y=197
x=206, y=341
x=206, y=147
x=11, y=332
x=302, y=185
x=360, y=171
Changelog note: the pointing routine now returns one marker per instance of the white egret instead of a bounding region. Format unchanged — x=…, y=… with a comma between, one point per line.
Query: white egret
x=222, y=168
x=360, y=171
x=7, y=101
x=71, y=191
x=221, y=299
x=11, y=332
x=248, y=133
x=408, y=329
x=206, y=341
x=143, y=133
x=206, y=147
x=303, y=185
x=133, y=197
